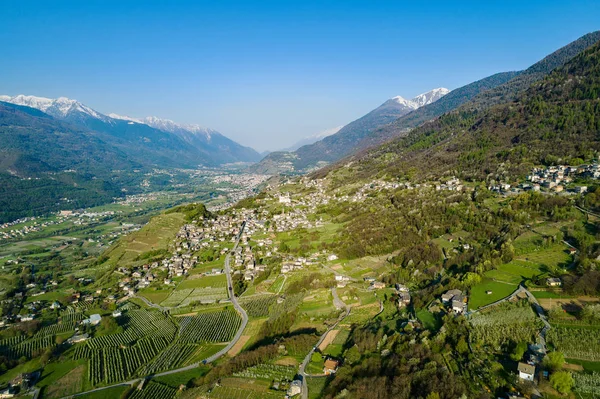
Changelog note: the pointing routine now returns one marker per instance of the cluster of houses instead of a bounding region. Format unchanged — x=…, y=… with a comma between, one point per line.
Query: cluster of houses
x=136, y=278
x=455, y=300
x=554, y=178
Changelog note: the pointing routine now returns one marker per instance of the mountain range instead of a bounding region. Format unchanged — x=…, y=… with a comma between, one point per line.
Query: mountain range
x=553, y=120
x=151, y=141
x=341, y=143
x=370, y=130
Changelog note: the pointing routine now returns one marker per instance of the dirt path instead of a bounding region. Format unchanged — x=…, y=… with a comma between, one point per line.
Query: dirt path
x=328, y=339
x=237, y=348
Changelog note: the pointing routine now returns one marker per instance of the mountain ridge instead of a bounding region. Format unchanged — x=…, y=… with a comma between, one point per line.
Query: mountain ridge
x=164, y=140
x=335, y=146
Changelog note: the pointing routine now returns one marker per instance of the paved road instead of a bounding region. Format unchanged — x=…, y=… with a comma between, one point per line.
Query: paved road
x=235, y=303
x=588, y=212
x=210, y=359
x=302, y=368
x=151, y=304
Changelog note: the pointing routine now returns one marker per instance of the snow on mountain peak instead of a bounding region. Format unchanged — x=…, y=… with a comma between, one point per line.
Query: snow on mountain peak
x=422, y=99
x=60, y=107
x=430, y=96
x=402, y=101
x=166, y=125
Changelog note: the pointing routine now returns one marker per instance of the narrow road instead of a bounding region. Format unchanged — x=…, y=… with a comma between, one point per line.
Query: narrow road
x=302, y=368
x=588, y=212
x=210, y=359
x=151, y=304
x=235, y=303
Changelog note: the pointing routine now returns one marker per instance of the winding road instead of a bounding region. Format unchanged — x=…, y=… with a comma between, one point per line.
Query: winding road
x=302, y=369
x=209, y=359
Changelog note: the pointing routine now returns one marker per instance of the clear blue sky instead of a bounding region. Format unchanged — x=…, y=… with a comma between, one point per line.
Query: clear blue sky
x=267, y=73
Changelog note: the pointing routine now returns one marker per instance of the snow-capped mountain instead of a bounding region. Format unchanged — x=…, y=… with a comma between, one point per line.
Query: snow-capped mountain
x=422, y=99
x=162, y=140
x=349, y=138
x=430, y=97
x=167, y=125
x=404, y=102
x=61, y=108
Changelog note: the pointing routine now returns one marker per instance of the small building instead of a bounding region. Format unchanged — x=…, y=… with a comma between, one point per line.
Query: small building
x=116, y=313
x=553, y=282
x=458, y=306
x=378, y=285
x=526, y=371
x=449, y=295
x=78, y=338
x=332, y=257
x=7, y=393
x=330, y=366
x=294, y=389
x=403, y=299
x=401, y=288
x=92, y=320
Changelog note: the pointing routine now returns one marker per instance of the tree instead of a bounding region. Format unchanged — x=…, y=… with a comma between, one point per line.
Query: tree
x=462, y=346
x=554, y=361
x=353, y=355
x=433, y=395
x=518, y=351
x=562, y=381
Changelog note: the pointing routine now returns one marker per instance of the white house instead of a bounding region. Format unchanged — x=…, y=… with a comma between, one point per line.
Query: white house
x=526, y=371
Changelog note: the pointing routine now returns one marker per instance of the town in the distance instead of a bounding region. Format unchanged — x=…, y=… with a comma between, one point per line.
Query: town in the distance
x=442, y=247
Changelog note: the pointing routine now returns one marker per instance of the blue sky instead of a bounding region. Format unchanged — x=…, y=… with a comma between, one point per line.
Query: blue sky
x=268, y=73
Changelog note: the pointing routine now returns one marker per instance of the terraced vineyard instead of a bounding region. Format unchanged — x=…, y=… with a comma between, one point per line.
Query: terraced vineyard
x=576, y=343
x=258, y=306
x=115, y=357
x=209, y=327
x=154, y=390
x=175, y=355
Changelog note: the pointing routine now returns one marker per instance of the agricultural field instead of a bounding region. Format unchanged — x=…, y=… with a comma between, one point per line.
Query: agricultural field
x=587, y=383
x=152, y=390
x=504, y=323
x=479, y=297
x=209, y=327
x=576, y=342
x=270, y=372
x=258, y=306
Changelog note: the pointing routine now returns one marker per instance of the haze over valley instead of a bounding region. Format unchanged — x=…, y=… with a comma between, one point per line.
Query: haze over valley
x=300, y=200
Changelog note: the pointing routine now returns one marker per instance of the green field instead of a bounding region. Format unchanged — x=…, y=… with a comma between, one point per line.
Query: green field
x=587, y=365
x=478, y=296
x=428, y=319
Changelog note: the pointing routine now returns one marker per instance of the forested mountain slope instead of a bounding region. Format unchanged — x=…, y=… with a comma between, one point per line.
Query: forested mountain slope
x=484, y=93
x=556, y=119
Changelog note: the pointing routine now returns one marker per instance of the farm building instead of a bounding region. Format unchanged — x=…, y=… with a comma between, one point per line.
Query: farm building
x=526, y=371
x=330, y=366
x=553, y=282
x=294, y=389
x=93, y=320
x=403, y=299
